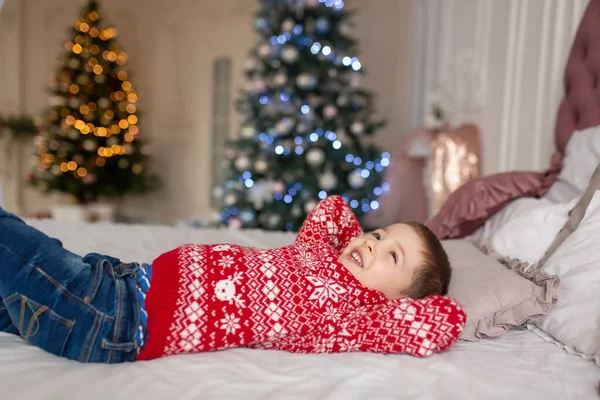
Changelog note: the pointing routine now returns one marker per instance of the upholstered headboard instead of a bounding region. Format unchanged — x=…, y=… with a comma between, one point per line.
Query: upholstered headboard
x=473, y=203
x=580, y=107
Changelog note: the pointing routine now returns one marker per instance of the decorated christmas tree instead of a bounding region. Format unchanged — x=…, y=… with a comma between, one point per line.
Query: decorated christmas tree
x=89, y=145
x=307, y=124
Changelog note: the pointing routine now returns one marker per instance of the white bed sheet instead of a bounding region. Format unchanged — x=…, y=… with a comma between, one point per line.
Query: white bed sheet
x=518, y=365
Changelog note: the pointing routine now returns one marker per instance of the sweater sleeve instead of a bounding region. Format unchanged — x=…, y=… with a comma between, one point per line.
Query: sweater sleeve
x=331, y=221
x=417, y=327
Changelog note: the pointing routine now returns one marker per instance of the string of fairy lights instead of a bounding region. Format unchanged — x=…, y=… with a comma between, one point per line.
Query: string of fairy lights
x=120, y=123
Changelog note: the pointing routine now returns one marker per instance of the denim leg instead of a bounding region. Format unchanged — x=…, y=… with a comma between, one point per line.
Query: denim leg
x=74, y=307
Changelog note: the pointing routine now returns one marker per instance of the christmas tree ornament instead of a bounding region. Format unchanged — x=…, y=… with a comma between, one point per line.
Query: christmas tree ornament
x=342, y=100
x=250, y=64
x=104, y=103
x=357, y=128
x=247, y=132
x=328, y=181
x=278, y=187
x=289, y=54
x=330, y=111
x=332, y=73
x=264, y=50
x=274, y=220
x=218, y=192
x=73, y=63
x=322, y=25
x=90, y=145
x=229, y=199
x=287, y=25
x=355, y=179
x=344, y=29
x=309, y=206
x=261, y=24
x=247, y=216
x=260, y=165
x=284, y=126
x=315, y=157
x=279, y=79
x=296, y=211
x=99, y=78
x=242, y=162
x=306, y=81
x=260, y=193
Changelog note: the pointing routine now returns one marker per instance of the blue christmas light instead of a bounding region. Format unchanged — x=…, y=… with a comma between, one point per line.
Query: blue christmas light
x=233, y=211
x=289, y=226
x=262, y=136
x=385, y=162
x=356, y=65
x=247, y=215
x=278, y=196
x=263, y=99
x=377, y=191
x=299, y=150
x=370, y=164
x=319, y=131
x=365, y=173
x=322, y=194
x=284, y=96
x=349, y=158
x=269, y=139
x=279, y=149
x=292, y=192
x=286, y=151
x=329, y=3
x=374, y=204
x=378, y=167
x=346, y=61
x=338, y=5
x=297, y=186
x=249, y=183
x=385, y=155
x=354, y=203
x=298, y=140
x=330, y=135
x=313, y=137
x=386, y=187
x=281, y=39
x=326, y=50
x=287, y=36
x=365, y=207
x=274, y=40
x=305, y=109
x=336, y=144
x=287, y=198
x=315, y=48
x=357, y=161
x=247, y=175
x=297, y=30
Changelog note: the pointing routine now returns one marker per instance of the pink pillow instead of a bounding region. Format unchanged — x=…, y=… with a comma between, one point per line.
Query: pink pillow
x=477, y=200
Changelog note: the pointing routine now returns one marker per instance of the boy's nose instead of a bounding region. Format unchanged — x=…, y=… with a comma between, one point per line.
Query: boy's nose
x=369, y=246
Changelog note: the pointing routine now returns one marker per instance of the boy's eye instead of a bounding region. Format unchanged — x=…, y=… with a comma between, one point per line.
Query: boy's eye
x=376, y=235
x=394, y=256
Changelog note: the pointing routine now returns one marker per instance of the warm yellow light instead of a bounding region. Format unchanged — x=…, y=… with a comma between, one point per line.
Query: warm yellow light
x=48, y=158
x=94, y=32
x=92, y=106
x=85, y=130
x=128, y=137
x=82, y=172
x=108, y=114
x=100, y=161
x=79, y=39
x=64, y=167
x=70, y=120
x=102, y=131
x=111, y=56
x=93, y=16
x=130, y=108
x=126, y=86
x=123, y=124
x=122, y=75
x=72, y=165
x=79, y=124
x=93, y=61
x=137, y=168
x=94, y=49
x=119, y=96
x=115, y=148
x=84, y=109
x=134, y=130
x=100, y=151
x=90, y=126
x=64, y=112
x=98, y=69
x=84, y=27
x=77, y=48
x=132, y=97
x=74, y=88
x=132, y=119
x=122, y=106
x=69, y=45
x=115, y=129
x=108, y=152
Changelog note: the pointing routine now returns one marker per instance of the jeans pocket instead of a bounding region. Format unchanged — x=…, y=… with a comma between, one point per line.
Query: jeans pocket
x=38, y=324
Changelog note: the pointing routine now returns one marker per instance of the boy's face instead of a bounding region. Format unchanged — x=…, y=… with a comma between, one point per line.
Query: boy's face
x=385, y=259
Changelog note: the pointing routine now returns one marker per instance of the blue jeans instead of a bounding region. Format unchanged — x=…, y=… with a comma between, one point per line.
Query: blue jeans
x=84, y=309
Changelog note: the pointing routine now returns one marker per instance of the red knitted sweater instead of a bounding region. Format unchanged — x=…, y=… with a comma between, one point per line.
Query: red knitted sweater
x=297, y=298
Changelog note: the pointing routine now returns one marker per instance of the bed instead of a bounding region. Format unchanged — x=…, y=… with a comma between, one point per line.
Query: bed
x=521, y=364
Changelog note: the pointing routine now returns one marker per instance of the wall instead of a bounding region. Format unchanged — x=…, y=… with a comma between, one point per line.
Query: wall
x=171, y=51
x=520, y=49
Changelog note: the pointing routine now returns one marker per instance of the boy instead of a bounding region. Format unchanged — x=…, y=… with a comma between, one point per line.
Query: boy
x=333, y=290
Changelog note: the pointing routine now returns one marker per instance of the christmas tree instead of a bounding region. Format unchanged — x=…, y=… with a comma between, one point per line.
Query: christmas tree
x=307, y=124
x=89, y=144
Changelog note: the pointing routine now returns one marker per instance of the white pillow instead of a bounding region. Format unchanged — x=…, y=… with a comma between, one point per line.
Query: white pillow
x=581, y=158
x=575, y=319
x=528, y=234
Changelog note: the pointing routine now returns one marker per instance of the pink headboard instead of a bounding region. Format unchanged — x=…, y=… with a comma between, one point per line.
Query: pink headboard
x=580, y=108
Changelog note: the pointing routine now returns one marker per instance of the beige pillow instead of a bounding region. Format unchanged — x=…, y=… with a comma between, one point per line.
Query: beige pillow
x=496, y=294
x=575, y=215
